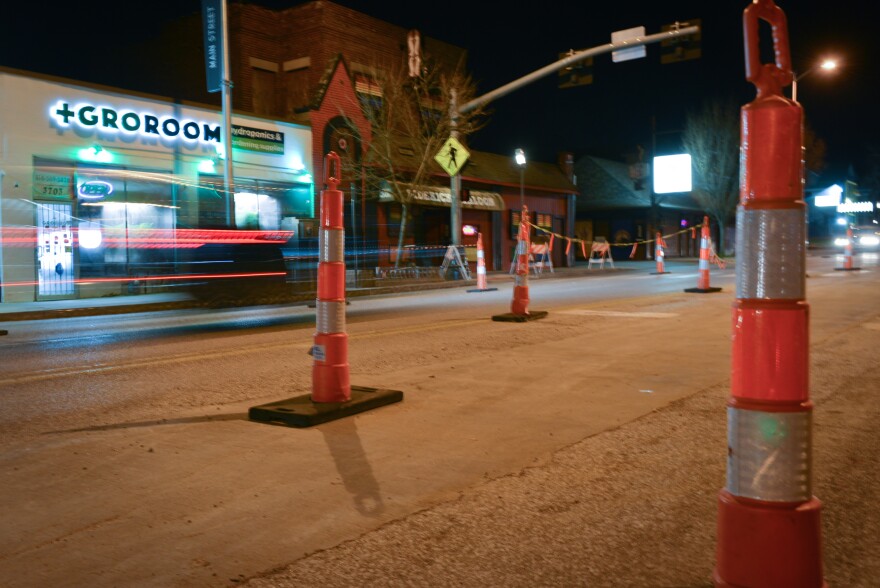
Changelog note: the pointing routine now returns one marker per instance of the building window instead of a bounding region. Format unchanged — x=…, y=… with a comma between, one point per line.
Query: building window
x=256, y=204
x=265, y=92
x=127, y=218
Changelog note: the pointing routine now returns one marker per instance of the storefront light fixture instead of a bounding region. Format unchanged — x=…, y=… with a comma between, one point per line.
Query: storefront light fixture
x=95, y=153
x=89, y=235
x=206, y=166
x=296, y=164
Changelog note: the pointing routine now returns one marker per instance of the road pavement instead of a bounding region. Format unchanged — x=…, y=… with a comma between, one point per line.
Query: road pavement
x=585, y=449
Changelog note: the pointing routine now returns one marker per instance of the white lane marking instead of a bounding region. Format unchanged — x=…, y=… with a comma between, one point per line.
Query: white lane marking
x=618, y=314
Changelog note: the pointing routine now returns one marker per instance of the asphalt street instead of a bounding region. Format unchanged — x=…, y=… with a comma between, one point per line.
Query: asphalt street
x=584, y=449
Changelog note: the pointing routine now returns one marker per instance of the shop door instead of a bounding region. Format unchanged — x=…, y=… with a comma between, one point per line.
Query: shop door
x=557, y=256
x=55, y=266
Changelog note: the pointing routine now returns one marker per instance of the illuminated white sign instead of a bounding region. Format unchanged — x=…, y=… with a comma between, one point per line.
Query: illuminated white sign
x=830, y=196
x=855, y=207
x=672, y=173
x=90, y=116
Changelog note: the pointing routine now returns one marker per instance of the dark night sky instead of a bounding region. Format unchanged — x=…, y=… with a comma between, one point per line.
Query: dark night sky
x=608, y=118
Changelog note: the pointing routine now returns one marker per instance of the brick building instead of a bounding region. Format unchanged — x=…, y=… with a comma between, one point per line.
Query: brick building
x=313, y=64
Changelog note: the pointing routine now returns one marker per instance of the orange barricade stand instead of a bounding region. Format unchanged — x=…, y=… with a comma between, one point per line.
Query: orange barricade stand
x=599, y=252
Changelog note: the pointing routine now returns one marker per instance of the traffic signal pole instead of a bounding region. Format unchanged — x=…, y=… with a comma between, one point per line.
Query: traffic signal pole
x=455, y=111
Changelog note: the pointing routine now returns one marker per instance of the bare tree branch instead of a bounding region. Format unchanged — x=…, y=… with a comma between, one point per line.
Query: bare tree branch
x=712, y=138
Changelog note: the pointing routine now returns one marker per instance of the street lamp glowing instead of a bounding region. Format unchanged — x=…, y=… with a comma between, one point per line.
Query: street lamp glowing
x=826, y=65
x=520, y=157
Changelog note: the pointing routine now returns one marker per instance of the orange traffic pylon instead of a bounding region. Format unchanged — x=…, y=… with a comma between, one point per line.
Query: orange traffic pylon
x=659, y=255
x=848, y=253
x=703, y=286
x=519, y=307
x=482, y=285
x=769, y=522
x=330, y=381
x=332, y=395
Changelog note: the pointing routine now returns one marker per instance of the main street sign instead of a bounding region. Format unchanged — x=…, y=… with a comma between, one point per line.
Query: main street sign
x=452, y=156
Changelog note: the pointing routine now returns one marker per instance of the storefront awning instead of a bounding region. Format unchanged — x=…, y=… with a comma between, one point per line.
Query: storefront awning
x=440, y=196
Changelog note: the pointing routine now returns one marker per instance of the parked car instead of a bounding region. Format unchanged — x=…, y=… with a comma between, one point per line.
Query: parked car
x=864, y=238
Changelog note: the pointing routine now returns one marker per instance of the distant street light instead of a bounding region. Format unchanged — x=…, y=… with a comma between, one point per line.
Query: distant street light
x=520, y=157
x=826, y=65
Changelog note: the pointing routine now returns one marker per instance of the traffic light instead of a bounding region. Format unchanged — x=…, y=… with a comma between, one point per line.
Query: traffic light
x=684, y=47
x=576, y=74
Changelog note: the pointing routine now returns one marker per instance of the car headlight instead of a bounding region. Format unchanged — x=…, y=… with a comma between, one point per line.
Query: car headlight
x=871, y=241
x=841, y=241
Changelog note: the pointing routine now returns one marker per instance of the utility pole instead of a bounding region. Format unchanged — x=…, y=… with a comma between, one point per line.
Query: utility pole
x=226, y=95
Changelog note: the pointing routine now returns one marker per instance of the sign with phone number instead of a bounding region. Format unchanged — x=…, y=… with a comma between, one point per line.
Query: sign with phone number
x=51, y=185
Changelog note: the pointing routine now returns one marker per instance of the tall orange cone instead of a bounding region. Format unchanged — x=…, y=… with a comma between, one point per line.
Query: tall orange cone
x=520, y=303
x=769, y=527
x=482, y=285
x=330, y=381
x=519, y=307
x=848, y=253
x=332, y=395
x=659, y=254
x=703, y=286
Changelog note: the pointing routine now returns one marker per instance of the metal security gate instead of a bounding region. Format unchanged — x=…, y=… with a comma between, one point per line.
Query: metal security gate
x=55, y=269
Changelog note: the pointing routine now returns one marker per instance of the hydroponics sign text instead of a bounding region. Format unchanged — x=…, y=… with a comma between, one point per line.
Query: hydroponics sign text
x=257, y=140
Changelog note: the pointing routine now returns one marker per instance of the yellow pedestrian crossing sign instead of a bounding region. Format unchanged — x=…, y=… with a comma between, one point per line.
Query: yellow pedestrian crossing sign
x=452, y=156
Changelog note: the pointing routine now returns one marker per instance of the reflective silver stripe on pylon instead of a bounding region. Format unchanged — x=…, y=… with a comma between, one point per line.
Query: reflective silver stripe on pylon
x=521, y=279
x=330, y=316
x=331, y=245
x=704, y=257
x=771, y=253
x=768, y=455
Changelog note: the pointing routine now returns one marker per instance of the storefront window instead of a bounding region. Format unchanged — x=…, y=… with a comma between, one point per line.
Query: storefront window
x=125, y=221
x=256, y=204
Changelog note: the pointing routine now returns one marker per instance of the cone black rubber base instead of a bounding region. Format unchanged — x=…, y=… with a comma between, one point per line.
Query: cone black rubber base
x=4, y=332
x=520, y=318
x=482, y=290
x=301, y=412
x=846, y=269
x=659, y=273
x=703, y=290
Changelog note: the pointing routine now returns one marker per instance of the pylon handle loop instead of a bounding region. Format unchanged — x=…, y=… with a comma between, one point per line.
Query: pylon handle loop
x=768, y=78
x=332, y=179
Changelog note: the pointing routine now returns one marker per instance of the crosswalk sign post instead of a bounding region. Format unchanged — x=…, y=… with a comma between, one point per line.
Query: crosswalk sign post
x=452, y=156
